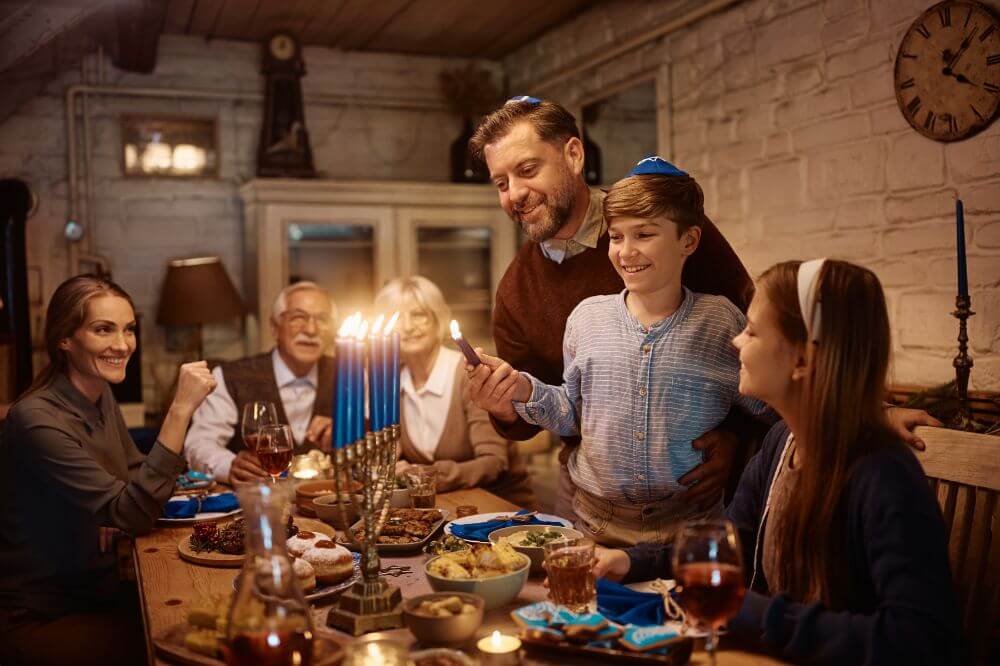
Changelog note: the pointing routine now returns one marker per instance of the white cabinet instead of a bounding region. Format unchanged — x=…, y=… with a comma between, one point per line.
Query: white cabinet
x=354, y=236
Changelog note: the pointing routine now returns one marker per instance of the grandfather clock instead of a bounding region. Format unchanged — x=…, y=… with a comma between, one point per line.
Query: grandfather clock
x=284, y=143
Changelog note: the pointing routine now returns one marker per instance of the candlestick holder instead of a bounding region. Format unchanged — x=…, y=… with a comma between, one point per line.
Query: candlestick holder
x=371, y=604
x=963, y=364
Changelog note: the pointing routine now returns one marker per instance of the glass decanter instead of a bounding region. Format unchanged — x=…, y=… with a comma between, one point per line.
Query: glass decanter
x=269, y=620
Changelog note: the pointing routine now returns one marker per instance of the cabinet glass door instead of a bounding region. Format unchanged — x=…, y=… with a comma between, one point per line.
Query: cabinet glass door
x=340, y=257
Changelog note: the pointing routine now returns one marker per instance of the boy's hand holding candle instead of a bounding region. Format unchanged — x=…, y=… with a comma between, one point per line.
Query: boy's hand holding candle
x=494, y=385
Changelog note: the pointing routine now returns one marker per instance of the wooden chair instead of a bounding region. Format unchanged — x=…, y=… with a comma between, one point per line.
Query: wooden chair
x=964, y=472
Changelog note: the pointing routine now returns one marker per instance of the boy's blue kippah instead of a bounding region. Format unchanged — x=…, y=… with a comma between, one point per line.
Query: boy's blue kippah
x=655, y=166
x=534, y=101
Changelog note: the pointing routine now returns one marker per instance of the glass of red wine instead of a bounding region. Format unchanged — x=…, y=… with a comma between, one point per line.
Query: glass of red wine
x=709, y=570
x=256, y=415
x=274, y=449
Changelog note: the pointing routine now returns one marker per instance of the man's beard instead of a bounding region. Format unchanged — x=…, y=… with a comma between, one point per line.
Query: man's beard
x=556, y=213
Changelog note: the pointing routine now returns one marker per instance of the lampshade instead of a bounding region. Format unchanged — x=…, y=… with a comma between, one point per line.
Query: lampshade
x=197, y=291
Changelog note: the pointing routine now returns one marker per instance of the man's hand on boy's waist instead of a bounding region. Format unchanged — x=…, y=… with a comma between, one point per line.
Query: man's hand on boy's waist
x=707, y=481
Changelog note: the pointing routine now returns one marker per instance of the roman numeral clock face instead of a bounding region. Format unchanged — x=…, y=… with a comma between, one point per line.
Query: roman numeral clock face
x=948, y=71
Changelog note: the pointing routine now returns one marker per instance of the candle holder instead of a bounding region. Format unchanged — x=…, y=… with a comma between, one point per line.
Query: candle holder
x=371, y=604
x=963, y=364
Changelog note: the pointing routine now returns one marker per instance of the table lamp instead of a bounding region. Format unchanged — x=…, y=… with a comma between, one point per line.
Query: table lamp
x=196, y=292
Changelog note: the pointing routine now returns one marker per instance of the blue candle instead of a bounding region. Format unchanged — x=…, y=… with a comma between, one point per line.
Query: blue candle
x=388, y=387
x=394, y=377
x=375, y=376
x=359, y=381
x=340, y=397
x=963, y=278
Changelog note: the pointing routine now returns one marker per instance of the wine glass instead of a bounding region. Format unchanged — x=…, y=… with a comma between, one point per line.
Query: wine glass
x=256, y=415
x=274, y=449
x=709, y=570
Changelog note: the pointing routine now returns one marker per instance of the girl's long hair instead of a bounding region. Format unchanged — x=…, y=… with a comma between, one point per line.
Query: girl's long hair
x=66, y=313
x=843, y=417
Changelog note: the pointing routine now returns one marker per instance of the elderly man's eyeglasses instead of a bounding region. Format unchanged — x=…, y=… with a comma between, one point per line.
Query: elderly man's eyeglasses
x=299, y=319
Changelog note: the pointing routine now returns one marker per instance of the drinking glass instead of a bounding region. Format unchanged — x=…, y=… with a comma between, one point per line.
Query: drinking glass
x=709, y=569
x=274, y=449
x=569, y=564
x=256, y=415
x=423, y=487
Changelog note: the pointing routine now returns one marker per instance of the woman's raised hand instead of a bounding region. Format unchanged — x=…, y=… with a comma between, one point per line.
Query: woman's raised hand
x=194, y=383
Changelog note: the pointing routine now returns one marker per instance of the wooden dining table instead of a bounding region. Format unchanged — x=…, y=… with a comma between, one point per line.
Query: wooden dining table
x=168, y=586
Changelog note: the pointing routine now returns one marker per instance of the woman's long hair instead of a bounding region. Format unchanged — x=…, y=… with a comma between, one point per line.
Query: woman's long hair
x=66, y=313
x=843, y=416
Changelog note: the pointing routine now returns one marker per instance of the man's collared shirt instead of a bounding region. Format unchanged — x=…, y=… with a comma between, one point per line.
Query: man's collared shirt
x=214, y=422
x=639, y=397
x=586, y=236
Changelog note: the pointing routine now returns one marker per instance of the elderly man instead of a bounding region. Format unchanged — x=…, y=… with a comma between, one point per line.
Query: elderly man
x=295, y=376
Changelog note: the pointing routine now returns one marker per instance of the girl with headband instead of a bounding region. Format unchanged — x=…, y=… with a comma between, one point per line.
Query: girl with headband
x=844, y=548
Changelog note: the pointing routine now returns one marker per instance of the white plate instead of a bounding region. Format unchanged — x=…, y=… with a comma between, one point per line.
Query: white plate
x=322, y=590
x=483, y=517
x=198, y=517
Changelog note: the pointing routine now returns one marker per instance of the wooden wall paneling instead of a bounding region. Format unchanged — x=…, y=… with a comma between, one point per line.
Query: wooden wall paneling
x=205, y=17
x=236, y=17
x=323, y=25
x=359, y=21
x=536, y=18
x=179, y=14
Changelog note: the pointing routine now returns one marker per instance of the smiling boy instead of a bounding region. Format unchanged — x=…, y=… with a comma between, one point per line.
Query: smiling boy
x=647, y=370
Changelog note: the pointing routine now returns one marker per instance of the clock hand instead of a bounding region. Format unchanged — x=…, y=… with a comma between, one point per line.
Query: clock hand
x=964, y=46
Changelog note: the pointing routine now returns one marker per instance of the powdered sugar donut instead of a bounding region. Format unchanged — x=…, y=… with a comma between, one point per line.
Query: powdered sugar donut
x=305, y=573
x=333, y=563
x=303, y=541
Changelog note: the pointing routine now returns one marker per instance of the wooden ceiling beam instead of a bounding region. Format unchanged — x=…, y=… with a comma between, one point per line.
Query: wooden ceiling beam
x=31, y=26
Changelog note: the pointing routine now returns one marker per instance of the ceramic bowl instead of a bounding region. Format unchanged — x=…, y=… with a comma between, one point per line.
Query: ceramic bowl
x=400, y=498
x=307, y=491
x=496, y=591
x=450, y=630
x=535, y=553
x=327, y=510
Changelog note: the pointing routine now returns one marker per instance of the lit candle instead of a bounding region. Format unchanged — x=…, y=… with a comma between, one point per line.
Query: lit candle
x=359, y=384
x=375, y=376
x=470, y=353
x=393, y=361
x=390, y=371
x=499, y=650
x=343, y=404
x=963, y=278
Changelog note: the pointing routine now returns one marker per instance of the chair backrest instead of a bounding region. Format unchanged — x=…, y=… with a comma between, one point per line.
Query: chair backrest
x=964, y=472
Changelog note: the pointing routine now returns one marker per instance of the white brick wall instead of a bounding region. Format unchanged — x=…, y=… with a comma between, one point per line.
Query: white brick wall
x=140, y=224
x=785, y=112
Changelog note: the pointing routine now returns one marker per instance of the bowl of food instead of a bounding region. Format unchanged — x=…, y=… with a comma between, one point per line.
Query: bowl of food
x=531, y=539
x=307, y=492
x=400, y=498
x=440, y=657
x=496, y=572
x=327, y=510
x=443, y=618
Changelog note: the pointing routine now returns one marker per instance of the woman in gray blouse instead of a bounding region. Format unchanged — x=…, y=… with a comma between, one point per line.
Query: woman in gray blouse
x=69, y=468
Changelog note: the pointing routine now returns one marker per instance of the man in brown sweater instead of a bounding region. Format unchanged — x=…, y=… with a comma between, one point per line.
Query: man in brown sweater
x=535, y=157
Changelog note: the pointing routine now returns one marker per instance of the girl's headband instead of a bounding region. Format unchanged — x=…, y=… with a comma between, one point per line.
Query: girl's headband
x=808, y=292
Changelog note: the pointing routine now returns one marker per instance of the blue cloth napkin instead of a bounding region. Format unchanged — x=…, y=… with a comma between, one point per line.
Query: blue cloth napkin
x=189, y=508
x=481, y=531
x=625, y=606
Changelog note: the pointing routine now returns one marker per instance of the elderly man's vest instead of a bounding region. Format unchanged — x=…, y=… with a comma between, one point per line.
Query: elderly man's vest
x=249, y=379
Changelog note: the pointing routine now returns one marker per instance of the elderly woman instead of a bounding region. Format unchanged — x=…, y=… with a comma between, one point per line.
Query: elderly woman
x=441, y=427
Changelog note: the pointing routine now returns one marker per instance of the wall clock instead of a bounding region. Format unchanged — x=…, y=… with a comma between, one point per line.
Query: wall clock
x=947, y=76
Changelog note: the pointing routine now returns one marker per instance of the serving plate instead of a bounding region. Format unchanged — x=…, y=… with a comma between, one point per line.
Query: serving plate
x=197, y=518
x=325, y=592
x=484, y=517
x=170, y=647
x=217, y=559
x=346, y=540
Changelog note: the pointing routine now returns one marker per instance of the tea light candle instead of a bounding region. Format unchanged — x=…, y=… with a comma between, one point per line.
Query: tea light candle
x=499, y=650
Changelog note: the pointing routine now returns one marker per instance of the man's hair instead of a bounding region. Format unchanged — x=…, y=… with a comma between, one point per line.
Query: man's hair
x=678, y=198
x=551, y=121
x=281, y=300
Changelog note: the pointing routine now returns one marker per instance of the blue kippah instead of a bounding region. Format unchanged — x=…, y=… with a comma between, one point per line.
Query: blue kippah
x=524, y=98
x=655, y=166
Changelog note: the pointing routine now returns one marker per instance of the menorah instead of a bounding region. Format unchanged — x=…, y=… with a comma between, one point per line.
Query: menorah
x=370, y=604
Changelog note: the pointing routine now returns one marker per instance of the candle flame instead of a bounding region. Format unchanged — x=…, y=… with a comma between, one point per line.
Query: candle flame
x=456, y=333
x=495, y=639
x=391, y=324
x=363, y=330
x=377, y=326
x=349, y=326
